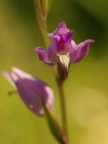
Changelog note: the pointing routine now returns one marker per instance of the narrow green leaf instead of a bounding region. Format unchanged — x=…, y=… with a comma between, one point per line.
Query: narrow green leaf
x=53, y=124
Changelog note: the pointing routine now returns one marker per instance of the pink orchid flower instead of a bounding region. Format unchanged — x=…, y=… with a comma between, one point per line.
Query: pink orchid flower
x=63, y=49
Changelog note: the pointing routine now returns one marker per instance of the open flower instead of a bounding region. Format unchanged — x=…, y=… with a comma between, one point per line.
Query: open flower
x=31, y=90
x=63, y=49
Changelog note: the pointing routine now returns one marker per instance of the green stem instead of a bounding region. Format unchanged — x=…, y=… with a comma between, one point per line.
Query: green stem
x=42, y=21
x=43, y=27
x=63, y=109
x=60, y=78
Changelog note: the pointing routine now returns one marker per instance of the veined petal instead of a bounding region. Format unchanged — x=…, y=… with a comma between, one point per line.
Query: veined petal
x=33, y=99
x=61, y=29
x=73, y=51
x=55, y=38
x=65, y=62
x=40, y=89
x=29, y=97
x=68, y=36
x=82, y=50
x=52, y=56
x=61, y=25
x=43, y=56
x=21, y=74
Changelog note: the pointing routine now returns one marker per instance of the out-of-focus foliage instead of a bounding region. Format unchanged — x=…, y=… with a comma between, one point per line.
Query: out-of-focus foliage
x=86, y=88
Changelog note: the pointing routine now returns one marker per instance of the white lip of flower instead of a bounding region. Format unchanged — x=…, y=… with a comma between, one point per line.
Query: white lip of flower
x=64, y=59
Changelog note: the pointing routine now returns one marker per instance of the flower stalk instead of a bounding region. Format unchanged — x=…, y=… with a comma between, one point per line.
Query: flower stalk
x=60, y=78
x=45, y=7
x=63, y=109
x=41, y=18
x=43, y=27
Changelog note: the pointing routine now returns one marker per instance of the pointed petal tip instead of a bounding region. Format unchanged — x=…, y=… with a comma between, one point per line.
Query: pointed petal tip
x=72, y=31
x=62, y=24
x=92, y=40
x=89, y=40
x=15, y=69
x=50, y=35
x=36, y=49
x=9, y=76
x=5, y=74
x=68, y=36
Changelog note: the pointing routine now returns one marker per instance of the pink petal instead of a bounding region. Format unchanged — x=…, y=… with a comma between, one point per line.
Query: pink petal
x=61, y=29
x=68, y=36
x=8, y=76
x=82, y=50
x=43, y=56
x=52, y=53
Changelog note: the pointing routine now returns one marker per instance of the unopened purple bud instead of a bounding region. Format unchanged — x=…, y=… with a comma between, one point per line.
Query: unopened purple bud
x=31, y=90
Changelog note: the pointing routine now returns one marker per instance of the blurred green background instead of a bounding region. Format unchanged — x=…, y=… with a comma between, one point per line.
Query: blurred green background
x=86, y=88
